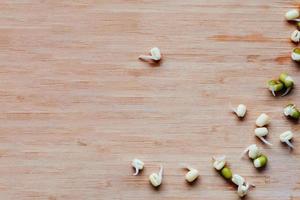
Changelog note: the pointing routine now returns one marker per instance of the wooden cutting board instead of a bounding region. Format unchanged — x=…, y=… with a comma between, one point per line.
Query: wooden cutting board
x=77, y=105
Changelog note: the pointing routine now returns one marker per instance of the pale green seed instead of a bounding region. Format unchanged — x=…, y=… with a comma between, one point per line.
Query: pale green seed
x=296, y=50
x=275, y=85
x=261, y=161
x=292, y=111
x=226, y=173
x=286, y=80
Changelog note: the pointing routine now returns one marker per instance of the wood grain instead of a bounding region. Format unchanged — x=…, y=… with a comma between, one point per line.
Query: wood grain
x=77, y=105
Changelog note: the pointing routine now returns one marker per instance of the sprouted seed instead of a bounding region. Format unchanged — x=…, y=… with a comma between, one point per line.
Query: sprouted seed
x=291, y=111
x=240, y=111
x=155, y=55
x=156, y=178
x=243, y=190
x=253, y=151
x=261, y=161
x=237, y=179
x=192, y=174
x=287, y=81
x=243, y=186
x=292, y=14
x=219, y=162
x=275, y=86
x=263, y=120
x=138, y=165
x=296, y=54
x=261, y=133
x=295, y=36
x=286, y=137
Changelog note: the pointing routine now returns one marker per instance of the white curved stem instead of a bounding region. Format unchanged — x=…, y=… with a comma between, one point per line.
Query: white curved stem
x=265, y=141
x=161, y=171
x=146, y=58
x=136, y=171
x=286, y=92
x=289, y=144
x=245, y=152
x=273, y=92
x=232, y=108
x=295, y=20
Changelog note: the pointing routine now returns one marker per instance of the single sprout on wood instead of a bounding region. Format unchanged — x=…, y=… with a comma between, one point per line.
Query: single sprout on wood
x=219, y=162
x=275, y=86
x=263, y=120
x=292, y=14
x=261, y=133
x=156, y=178
x=253, y=151
x=291, y=111
x=138, y=165
x=155, y=55
x=261, y=161
x=240, y=111
x=192, y=174
x=286, y=137
x=295, y=36
x=296, y=54
x=287, y=81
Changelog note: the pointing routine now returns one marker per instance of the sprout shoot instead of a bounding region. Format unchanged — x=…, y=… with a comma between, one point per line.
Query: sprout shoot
x=155, y=55
x=275, y=86
x=156, y=178
x=192, y=174
x=253, y=151
x=291, y=111
x=138, y=165
x=240, y=111
x=260, y=133
x=286, y=137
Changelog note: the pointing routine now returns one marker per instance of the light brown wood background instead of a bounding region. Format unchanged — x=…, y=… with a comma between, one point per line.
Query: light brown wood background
x=77, y=105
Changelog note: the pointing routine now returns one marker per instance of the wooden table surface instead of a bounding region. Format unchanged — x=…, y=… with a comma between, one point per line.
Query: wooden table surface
x=77, y=105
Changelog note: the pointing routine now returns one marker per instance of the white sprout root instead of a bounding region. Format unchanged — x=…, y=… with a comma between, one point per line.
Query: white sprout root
x=295, y=20
x=160, y=171
x=146, y=58
x=287, y=91
x=136, y=171
x=234, y=110
x=245, y=152
x=273, y=92
x=289, y=144
x=264, y=140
